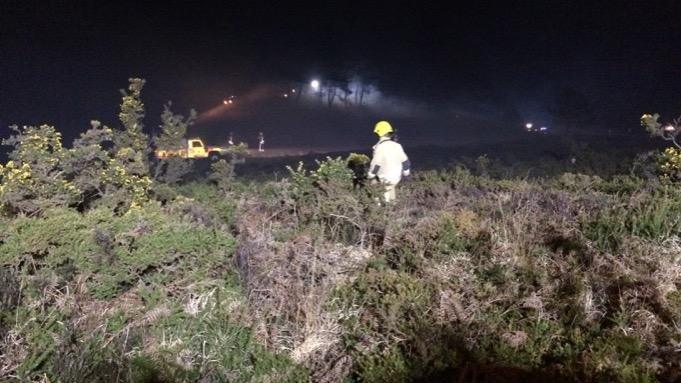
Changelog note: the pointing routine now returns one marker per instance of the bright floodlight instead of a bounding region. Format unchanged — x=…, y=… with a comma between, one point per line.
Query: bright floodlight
x=225, y=102
x=669, y=128
x=285, y=95
x=314, y=84
x=528, y=125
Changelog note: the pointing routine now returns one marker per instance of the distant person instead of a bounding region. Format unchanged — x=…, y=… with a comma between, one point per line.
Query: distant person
x=231, y=139
x=261, y=142
x=389, y=162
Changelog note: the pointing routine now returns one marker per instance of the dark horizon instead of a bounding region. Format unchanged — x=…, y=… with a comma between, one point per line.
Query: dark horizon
x=64, y=62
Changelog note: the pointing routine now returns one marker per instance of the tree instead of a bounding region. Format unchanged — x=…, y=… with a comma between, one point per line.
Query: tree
x=128, y=182
x=345, y=92
x=330, y=92
x=131, y=115
x=173, y=128
x=571, y=110
x=173, y=131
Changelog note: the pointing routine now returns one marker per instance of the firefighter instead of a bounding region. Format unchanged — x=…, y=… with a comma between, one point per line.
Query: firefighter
x=261, y=142
x=389, y=163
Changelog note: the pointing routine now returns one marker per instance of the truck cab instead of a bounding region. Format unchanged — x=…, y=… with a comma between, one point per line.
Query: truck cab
x=196, y=149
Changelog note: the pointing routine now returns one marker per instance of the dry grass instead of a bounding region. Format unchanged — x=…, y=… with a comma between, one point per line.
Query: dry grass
x=518, y=259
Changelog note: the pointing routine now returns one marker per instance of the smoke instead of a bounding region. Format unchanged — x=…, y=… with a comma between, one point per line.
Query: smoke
x=339, y=117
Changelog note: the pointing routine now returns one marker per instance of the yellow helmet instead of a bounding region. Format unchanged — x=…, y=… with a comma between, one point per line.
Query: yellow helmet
x=382, y=128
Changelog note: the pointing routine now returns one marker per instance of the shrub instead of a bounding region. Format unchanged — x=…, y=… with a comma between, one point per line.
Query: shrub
x=359, y=165
x=33, y=179
x=128, y=184
x=326, y=199
x=173, y=130
x=132, y=135
x=222, y=171
x=87, y=163
x=119, y=251
x=669, y=161
x=42, y=174
x=212, y=199
x=670, y=165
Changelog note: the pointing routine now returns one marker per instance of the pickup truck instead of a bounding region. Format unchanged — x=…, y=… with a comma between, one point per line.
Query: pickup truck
x=193, y=148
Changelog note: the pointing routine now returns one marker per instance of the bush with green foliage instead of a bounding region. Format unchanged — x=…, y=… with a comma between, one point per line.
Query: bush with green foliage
x=131, y=115
x=670, y=165
x=325, y=198
x=223, y=171
x=669, y=161
x=146, y=296
x=173, y=131
x=359, y=165
x=34, y=180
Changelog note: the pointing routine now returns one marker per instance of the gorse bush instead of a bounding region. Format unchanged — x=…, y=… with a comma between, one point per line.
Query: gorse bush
x=42, y=173
x=132, y=113
x=223, y=171
x=327, y=199
x=359, y=165
x=120, y=249
x=33, y=179
x=172, y=170
x=669, y=161
x=145, y=296
x=670, y=165
x=104, y=166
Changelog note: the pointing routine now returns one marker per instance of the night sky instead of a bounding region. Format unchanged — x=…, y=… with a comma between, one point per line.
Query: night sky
x=63, y=62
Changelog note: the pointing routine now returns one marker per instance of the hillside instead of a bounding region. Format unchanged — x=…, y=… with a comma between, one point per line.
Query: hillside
x=467, y=278
x=511, y=260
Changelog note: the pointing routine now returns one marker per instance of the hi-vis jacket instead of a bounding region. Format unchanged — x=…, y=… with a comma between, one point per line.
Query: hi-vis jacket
x=389, y=162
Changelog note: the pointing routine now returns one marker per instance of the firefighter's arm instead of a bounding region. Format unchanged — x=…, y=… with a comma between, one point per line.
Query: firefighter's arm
x=406, y=164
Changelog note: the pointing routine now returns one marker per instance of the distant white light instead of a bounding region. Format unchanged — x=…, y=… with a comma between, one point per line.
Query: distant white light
x=225, y=102
x=293, y=91
x=314, y=84
x=285, y=95
x=529, y=125
x=543, y=129
x=669, y=128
